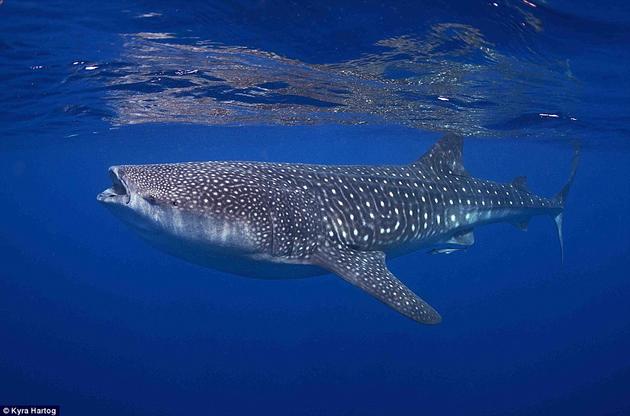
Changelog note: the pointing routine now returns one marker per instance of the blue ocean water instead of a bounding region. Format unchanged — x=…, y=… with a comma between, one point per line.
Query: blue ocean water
x=94, y=320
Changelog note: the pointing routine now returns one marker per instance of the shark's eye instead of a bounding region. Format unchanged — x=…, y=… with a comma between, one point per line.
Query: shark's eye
x=175, y=203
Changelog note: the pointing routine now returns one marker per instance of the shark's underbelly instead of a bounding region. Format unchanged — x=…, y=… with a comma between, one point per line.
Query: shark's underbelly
x=259, y=267
x=212, y=255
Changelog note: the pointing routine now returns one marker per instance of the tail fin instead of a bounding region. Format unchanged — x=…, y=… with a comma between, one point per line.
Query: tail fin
x=561, y=196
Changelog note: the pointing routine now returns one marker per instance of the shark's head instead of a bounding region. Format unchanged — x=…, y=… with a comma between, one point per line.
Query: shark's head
x=187, y=209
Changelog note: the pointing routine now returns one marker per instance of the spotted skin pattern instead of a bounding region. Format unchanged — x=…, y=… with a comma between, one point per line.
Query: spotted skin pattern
x=344, y=219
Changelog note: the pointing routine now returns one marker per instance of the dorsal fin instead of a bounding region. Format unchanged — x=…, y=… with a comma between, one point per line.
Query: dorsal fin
x=445, y=156
x=520, y=183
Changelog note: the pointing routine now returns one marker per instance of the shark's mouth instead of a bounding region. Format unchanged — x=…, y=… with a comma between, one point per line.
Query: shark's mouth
x=118, y=192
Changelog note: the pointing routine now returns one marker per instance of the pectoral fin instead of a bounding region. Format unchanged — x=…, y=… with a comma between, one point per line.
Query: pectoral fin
x=367, y=270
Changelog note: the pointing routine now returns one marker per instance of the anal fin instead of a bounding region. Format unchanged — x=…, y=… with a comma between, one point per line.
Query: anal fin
x=521, y=224
x=367, y=271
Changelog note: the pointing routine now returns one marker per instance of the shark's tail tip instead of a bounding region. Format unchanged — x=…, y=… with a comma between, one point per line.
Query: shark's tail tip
x=558, y=221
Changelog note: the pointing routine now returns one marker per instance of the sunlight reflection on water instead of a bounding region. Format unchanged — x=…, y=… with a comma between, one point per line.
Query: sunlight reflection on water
x=451, y=79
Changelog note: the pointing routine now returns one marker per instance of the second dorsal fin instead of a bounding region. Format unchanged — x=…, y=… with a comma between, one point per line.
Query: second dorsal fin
x=520, y=183
x=445, y=156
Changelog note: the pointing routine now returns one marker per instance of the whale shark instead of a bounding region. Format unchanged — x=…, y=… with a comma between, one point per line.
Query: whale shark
x=287, y=220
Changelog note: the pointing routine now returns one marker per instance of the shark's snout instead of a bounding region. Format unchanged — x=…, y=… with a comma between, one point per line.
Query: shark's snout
x=118, y=193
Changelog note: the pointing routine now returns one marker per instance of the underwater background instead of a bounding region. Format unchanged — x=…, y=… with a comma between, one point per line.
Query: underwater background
x=94, y=320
